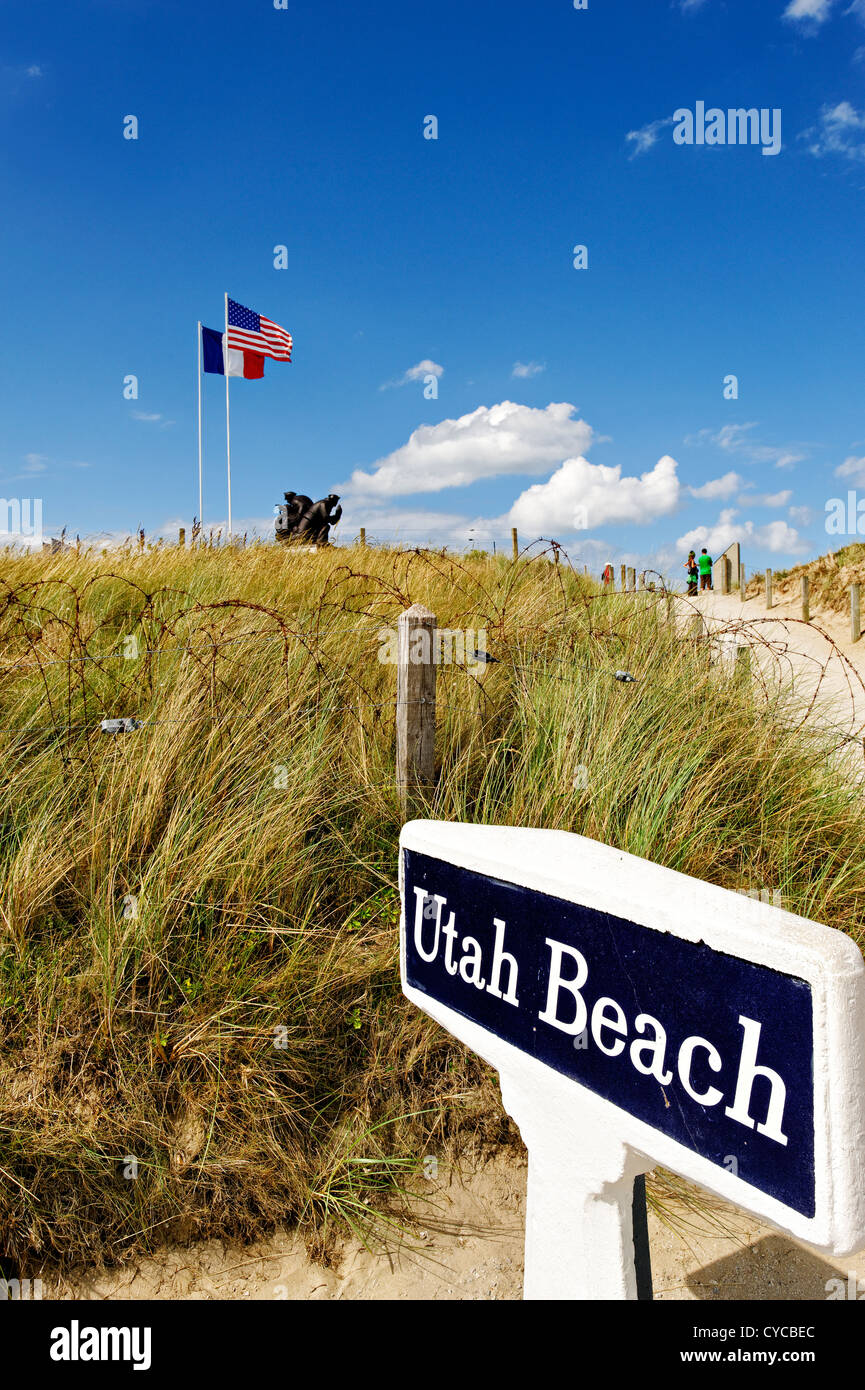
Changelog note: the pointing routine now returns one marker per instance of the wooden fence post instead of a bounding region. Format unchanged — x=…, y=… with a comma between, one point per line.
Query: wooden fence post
x=768, y=589
x=363, y=535
x=632, y=579
x=415, y=698
x=743, y=583
x=855, y=628
x=515, y=543
x=806, y=605
x=181, y=539
x=141, y=539
x=623, y=576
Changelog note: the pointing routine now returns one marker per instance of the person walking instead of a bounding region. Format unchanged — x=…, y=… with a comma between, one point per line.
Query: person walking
x=693, y=572
x=705, y=566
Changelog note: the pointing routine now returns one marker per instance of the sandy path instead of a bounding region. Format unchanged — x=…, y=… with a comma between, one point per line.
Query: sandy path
x=472, y=1248
x=829, y=672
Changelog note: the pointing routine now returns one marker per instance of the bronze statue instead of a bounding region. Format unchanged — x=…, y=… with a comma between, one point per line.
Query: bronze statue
x=299, y=518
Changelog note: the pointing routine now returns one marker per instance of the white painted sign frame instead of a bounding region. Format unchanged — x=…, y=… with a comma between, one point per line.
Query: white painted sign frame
x=584, y=1151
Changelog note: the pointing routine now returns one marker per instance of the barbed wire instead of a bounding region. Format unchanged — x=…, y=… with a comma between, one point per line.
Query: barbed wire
x=622, y=607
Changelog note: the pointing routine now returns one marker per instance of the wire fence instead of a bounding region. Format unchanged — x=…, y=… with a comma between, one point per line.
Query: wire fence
x=54, y=623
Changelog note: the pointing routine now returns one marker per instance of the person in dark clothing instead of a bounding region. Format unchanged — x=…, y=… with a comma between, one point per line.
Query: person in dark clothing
x=693, y=572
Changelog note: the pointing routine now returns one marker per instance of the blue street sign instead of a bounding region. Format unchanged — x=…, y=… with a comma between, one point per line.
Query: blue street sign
x=714, y=1051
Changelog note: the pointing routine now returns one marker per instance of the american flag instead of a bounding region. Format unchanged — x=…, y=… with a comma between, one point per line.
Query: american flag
x=254, y=333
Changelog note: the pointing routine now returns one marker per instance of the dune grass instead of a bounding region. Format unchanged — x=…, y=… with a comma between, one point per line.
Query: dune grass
x=201, y=1025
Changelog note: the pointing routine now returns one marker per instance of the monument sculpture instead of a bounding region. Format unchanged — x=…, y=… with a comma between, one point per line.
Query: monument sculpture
x=301, y=519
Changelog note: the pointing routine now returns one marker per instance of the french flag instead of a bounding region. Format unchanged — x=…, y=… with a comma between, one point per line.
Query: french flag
x=241, y=361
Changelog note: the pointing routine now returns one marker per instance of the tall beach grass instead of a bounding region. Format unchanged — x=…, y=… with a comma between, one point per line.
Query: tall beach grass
x=201, y=1025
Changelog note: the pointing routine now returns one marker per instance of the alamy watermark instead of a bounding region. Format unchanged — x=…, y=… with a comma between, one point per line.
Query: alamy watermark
x=772, y=896
x=845, y=519
x=21, y=518
x=853, y=1288
x=445, y=646
x=20, y=1290
x=732, y=127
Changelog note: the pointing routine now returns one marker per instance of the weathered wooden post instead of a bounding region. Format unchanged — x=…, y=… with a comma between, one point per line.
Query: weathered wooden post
x=141, y=539
x=181, y=538
x=855, y=628
x=623, y=576
x=632, y=579
x=768, y=589
x=515, y=544
x=363, y=535
x=743, y=582
x=806, y=604
x=415, y=698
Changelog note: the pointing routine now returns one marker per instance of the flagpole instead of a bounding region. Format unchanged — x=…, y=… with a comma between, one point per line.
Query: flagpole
x=227, y=417
x=200, y=518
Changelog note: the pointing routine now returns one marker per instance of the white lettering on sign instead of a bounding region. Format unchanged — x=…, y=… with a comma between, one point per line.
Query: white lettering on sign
x=567, y=1010
x=748, y=1070
x=470, y=966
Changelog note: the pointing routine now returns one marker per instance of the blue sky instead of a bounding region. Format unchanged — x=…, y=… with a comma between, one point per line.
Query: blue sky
x=583, y=404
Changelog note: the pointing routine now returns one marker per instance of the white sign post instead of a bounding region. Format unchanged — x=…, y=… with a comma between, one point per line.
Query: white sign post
x=638, y=1017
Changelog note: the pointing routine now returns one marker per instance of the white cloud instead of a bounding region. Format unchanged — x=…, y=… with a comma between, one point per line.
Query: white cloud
x=582, y=495
x=35, y=463
x=35, y=71
x=809, y=12
x=525, y=369
x=735, y=439
x=803, y=515
x=152, y=419
x=410, y=526
x=840, y=130
x=766, y=499
x=415, y=373
x=718, y=489
x=687, y=5
x=489, y=442
x=647, y=136
x=853, y=469
x=775, y=536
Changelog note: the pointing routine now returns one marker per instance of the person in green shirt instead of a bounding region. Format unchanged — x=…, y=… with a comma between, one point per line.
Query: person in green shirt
x=705, y=567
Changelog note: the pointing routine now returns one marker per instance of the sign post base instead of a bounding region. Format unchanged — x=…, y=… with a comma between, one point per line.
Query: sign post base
x=579, y=1197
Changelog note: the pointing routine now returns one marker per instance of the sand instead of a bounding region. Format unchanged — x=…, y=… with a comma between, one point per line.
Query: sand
x=471, y=1247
